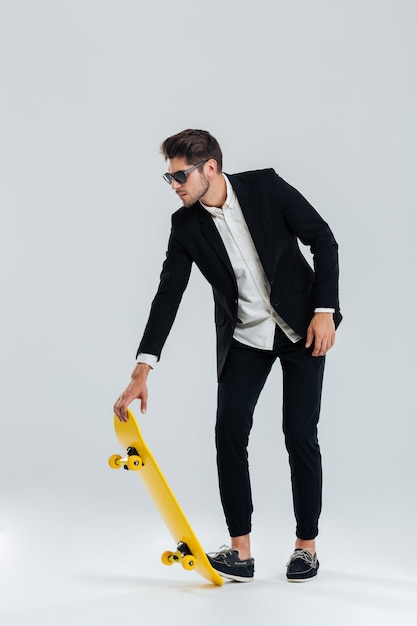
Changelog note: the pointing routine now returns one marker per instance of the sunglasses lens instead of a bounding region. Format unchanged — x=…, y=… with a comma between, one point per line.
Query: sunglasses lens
x=167, y=177
x=180, y=177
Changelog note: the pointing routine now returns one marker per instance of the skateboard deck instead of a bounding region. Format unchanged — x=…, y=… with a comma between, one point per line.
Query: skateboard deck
x=139, y=458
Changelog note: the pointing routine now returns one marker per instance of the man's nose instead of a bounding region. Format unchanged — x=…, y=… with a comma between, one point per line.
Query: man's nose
x=175, y=184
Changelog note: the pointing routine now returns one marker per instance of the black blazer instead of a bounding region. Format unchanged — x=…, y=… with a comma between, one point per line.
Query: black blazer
x=276, y=215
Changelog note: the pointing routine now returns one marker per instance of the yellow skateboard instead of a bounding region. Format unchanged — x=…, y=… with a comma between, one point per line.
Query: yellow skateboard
x=139, y=458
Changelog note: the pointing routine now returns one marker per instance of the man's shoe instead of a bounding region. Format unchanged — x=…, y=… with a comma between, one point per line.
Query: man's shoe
x=302, y=566
x=229, y=565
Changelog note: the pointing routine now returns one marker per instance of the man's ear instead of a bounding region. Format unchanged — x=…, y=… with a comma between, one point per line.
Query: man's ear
x=212, y=167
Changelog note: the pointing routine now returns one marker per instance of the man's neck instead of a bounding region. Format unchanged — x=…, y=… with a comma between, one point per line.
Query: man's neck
x=217, y=192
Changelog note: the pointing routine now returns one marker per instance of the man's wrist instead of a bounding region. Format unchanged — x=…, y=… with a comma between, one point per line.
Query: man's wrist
x=141, y=371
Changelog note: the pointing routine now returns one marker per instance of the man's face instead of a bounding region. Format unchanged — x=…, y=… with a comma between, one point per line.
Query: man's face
x=196, y=185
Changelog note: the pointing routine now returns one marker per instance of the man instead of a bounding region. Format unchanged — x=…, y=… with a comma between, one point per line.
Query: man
x=241, y=230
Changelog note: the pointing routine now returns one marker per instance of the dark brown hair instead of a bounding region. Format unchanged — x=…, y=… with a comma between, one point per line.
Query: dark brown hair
x=194, y=146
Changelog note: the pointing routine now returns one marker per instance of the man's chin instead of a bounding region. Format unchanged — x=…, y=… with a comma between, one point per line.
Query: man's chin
x=187, y=201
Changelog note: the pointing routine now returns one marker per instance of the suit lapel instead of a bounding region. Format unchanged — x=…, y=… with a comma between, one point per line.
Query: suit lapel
x=252, y=217
x=211, y=234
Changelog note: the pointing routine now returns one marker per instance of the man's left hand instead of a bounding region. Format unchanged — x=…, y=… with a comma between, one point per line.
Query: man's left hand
x=322, y=332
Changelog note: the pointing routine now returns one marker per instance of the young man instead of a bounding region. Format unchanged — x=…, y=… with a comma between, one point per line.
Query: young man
x=241, y=230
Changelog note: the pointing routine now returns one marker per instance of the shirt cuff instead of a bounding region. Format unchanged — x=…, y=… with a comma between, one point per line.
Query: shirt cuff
x=322, y=309
x=149, y=359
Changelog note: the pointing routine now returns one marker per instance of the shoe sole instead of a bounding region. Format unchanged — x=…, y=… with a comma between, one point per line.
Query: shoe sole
x=302, y=580
x=238, y=579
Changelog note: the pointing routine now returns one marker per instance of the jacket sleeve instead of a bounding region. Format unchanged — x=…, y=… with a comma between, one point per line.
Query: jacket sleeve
x=310, y=228
x=173, y=282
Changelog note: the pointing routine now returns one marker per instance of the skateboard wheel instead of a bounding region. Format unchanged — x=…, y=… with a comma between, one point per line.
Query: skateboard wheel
x=189, y=562
x=166, y=558
x=134, y=462
x=113, y=461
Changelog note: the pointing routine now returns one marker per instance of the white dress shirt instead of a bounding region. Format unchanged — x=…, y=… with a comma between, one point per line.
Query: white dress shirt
x=256, y=318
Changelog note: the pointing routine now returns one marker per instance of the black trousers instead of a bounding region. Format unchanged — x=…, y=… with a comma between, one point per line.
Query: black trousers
x=242, y=380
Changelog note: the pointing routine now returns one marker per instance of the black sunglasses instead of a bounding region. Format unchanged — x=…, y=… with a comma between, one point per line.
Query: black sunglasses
x=181, y=176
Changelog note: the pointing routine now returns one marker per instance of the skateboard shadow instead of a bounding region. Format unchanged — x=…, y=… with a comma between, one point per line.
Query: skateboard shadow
x=132, y=581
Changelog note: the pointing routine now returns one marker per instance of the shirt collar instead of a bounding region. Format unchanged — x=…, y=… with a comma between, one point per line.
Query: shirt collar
x=230, y=200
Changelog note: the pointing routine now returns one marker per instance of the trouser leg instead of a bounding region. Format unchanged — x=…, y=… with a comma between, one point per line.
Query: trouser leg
x=302, y=386
x=242, y=380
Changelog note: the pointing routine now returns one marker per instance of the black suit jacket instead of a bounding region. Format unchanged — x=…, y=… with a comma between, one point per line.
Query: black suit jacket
x=276, y=215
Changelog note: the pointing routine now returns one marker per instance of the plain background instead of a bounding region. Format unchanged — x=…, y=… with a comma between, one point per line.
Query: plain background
x=323, y=91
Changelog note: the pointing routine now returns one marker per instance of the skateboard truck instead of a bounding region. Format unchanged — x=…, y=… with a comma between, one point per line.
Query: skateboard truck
x=132, y=461
x=182, y=555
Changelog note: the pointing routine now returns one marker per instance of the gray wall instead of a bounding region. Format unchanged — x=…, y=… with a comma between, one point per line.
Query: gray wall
x=322, y=91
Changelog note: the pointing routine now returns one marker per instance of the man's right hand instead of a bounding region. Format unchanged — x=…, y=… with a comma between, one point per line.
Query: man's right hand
x=136, y=389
